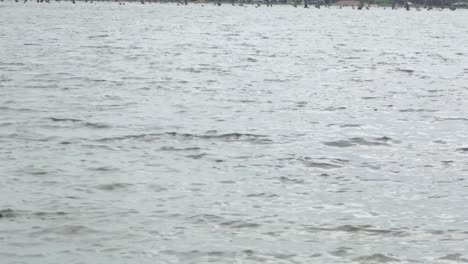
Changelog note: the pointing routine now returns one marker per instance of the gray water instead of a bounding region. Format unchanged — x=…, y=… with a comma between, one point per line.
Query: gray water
x=169, y=134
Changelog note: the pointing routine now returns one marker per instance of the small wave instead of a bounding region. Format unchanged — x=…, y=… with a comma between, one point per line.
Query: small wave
x=277, y=80
x=98, y=36
x=119, y=138
x=244, y=101
x=350, y=125
x=301, y=104
x=384, y=139
x=266, y=195
x=55, y=119
x=99, y=146
x=411, y=110
x=12, y=135
x=7, y=213
x=284, y=179
x=340, y=252
x=227, y=182
x=4, y=124
x=113, y=186
x=192, y=70
x=457, y=257
x=11, y=64
x=352, y=58
x=323, y=163
x=49, y=213
x=100, y=47
x=236, y=136
x=156, y=188
x=192, y=255
x=333, y=109
x=376, y=258
x=18, y=109
x=344, y=125
x=370, y=166
x=96, y=125
x=197, y=156
x=104, y=168
x=225, y=137
x=451, y=119
x=68, y=230
x=437, y=196
x=75, y=120
x=409, y=71
x=359, y=142
x=465, y=149
x=179, y=149
x=240, y=224
x=206, y=218
x=435, y=90
x=39, y=173
x=359, y=229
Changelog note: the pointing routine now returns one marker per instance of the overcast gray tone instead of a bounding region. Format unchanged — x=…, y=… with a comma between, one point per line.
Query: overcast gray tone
x=168, y=134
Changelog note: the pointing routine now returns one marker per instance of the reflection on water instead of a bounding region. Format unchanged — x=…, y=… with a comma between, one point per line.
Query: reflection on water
x=135, y=134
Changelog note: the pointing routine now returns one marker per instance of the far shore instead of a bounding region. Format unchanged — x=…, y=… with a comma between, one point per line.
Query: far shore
x=258, y=3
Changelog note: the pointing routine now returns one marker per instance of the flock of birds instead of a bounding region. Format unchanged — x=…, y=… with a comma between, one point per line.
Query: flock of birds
x=317, y=5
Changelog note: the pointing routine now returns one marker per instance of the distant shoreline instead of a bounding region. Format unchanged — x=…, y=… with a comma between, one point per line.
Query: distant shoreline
x=258, y=3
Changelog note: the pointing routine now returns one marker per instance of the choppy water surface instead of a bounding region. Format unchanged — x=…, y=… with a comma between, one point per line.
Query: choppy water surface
x=168, y=134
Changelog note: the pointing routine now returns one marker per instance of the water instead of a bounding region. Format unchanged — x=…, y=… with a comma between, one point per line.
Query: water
x=169, y=134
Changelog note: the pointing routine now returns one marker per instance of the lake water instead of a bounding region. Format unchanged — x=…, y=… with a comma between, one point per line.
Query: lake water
x=160, y=133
